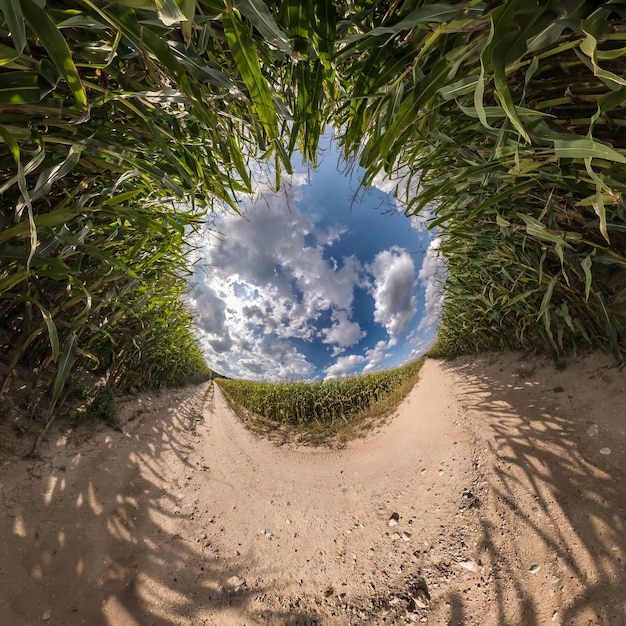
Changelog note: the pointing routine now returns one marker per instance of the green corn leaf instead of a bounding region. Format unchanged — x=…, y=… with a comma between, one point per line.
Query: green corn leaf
x=52, y=331
x=536, y=229
x=325, y=30
x=577, y=148
x=64, y=366
x=48, y=177
x=586, y=265
x=461, y=87
x=545, y=302
x=14, y=278
x=242, y=46
x=7, y=55
x=299, y=25
x=20, y=88
x=431, y=13
x=169, y=12
x=53, y=218
x=12, y=12
x=56, y=46
x=258, y=13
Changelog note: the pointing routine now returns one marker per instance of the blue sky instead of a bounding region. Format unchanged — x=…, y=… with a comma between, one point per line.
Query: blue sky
x=318, y=280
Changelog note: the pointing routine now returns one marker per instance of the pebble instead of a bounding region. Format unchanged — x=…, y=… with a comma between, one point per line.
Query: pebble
x=593, y=430
x=394, y=519
x=605, y=451
x=46, y=616
x=534, y=568
x=406, y=536
x=234, y=583
x=420, y=598
x=469, y=565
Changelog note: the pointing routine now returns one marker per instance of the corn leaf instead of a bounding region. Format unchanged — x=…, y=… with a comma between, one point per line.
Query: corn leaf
x=56, y=46
x=12, y=12
x=242, y=46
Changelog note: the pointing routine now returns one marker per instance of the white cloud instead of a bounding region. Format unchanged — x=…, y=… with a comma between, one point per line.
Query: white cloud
x=404, y=187
x=265, y=280
x=376, y=355
x=432, y=276
x=276, y=291
x=343, y=365
x=394, y=283
x=343, y=333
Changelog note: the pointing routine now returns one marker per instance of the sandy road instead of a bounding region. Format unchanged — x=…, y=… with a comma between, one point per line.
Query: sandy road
x=507, y=512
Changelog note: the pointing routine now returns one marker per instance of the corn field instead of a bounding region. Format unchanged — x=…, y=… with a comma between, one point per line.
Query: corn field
x=123, y=123
x=323, y=402
x=508, y=119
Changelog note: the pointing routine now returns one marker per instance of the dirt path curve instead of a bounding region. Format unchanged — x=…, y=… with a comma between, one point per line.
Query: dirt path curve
x=507, y=513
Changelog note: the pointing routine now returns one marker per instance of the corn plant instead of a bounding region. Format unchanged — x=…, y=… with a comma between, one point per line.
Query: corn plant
x=323, y=402
x=508, y=118
x=121, y=124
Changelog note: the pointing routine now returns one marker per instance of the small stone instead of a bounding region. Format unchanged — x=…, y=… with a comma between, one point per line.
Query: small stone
x=593, y=430
x=395, y=536
x=46, y=616
x=406, y=536
x=420, y=598
x=234, y=583
x=470, y=565
x=605, y=451
x=394, y=519
x=534, y=568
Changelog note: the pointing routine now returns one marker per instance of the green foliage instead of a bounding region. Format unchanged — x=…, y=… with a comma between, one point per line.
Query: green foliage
x=507, y=119
x=123, y=123
x=322, y=402
x=119, y=128
x=103, y=406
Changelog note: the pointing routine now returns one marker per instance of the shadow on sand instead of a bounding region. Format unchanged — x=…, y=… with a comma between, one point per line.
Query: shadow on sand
x=94, y=532
x=552, y=498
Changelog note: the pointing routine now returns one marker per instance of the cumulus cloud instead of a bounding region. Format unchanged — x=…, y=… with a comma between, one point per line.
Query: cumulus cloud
x=376, y=355
x=266, y=280
x=432, y=277
x=281, y=293
x=393, y=290
x=343, y=333
x=344, y=365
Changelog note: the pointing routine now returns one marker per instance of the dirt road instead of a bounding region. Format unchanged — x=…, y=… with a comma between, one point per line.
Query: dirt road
x=489, y=498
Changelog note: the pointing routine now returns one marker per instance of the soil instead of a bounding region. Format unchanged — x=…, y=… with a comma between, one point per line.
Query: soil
x=494, y=495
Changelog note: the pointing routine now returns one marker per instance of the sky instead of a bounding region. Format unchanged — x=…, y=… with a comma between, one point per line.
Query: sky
x=317, y=281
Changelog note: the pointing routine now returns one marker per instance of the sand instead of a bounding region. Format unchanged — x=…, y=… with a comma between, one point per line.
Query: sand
x=495, y=494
